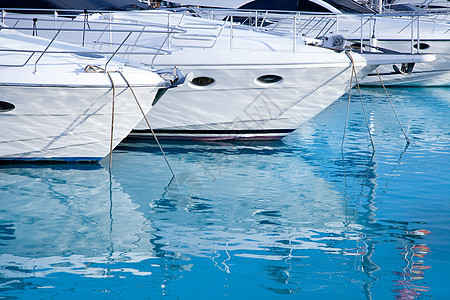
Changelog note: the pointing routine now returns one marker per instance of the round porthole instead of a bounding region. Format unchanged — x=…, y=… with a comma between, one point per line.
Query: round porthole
x=202, y=81
x=422, y=46
x=6, y=106
x=269, y=79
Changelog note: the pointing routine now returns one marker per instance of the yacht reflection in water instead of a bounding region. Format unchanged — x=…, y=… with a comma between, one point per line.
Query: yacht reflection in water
x=408, y=285
x=231, y=209
x=374, y=233
x=66, y=218
x=243, y=202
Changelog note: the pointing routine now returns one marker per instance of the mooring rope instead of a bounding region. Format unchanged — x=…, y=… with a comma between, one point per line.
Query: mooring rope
x=360, y=96
x=389, y=98
x=148, y=123
x=112, y=120
x=348, y=110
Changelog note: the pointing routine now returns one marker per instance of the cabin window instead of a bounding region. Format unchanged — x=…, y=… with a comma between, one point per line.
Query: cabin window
x=202, y=81
x=422, y=46
x=6, y=106
x=269, y=79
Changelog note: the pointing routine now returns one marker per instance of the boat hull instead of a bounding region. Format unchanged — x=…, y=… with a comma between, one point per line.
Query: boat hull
x=64, y=123
x=435, y=73
x=238, y=107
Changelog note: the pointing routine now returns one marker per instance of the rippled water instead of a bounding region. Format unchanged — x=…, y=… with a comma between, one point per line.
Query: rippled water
x=290, y=219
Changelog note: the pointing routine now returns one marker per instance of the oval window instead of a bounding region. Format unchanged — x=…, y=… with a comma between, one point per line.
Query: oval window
x=269, y=79
x=202, y=81
x=422, y=46
x=6, y=106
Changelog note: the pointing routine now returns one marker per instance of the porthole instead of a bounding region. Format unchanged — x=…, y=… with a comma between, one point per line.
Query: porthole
x=422, y=46
x=202, y=81
x=6, y=106
x=269, y=79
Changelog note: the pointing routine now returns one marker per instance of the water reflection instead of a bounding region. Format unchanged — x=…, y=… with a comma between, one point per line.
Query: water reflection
x=288, y=218
x=409, y=284
x=258, y=224
x=66, y=218
x=229, y=204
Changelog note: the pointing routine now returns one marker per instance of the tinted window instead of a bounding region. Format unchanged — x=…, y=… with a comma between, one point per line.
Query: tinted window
x=269, y=79
x=202, y=81
x=272, y=5
x=6, y=106
x=422, y=46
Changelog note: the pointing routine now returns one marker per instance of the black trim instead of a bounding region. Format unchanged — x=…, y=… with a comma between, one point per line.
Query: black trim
x=414, y=72
x=206, y=131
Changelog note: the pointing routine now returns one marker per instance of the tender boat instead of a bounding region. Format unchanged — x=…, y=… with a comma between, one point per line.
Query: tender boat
x=59, y=101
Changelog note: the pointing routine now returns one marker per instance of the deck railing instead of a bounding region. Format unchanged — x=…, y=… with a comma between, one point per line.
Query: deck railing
x=59, y=21
x=296, y=25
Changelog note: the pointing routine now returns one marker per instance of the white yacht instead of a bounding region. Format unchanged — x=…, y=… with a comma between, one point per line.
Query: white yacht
x=388, y=30
x=242, y=83
x=59, y=101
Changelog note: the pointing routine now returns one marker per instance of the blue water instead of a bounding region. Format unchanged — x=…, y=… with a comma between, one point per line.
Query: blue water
x=296, y=219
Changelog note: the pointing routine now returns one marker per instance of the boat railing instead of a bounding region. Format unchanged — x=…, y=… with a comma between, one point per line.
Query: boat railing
x=110, y=33
x=296, y=25
x=178, y=32
x=84, y=52
x=319, y=25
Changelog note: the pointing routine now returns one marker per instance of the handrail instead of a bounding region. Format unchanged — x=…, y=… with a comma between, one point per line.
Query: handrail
x=165, y=52
x=136, y=27
x=42, y=54
x=89, y=30
x=55, y=20
x=80, y=52
x=294, y=24
x=22, y=65
x=316, y=25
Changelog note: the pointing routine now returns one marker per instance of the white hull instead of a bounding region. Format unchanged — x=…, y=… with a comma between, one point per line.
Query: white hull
x=391, y=32
x=53, y=109
x=395, y=33
x=236, y=105
x=54, y=123
x=435, y=73
x=247, y=110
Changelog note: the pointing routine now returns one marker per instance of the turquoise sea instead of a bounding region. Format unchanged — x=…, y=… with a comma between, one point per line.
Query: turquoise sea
x=296, y=219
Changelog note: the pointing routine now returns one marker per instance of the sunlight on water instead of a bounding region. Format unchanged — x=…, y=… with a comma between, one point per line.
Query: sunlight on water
x=258, y=220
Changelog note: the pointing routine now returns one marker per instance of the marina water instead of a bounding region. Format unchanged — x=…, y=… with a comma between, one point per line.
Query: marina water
x=298, y=218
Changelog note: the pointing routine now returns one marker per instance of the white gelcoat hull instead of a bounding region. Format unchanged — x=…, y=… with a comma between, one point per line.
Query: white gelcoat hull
x=236, y=106
x=66, y=123
x=435, y=73
x=394, y=33
x=61, y=112
x=250, y=111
